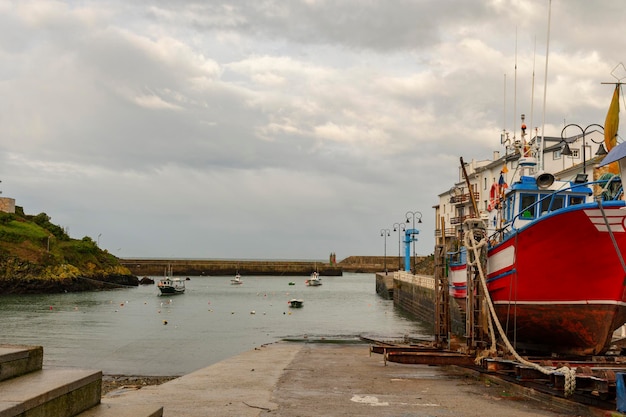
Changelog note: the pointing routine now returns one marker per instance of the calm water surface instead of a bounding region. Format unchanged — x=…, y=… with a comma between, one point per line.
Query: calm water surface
x=124, y=331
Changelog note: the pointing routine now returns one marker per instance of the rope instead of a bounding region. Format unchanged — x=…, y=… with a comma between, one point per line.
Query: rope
x=475, y=247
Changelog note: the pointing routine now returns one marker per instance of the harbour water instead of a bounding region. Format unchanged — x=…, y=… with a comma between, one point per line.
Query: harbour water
x=135, y=331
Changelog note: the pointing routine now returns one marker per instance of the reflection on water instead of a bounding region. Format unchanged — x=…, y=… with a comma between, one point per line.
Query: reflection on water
x=135, y=331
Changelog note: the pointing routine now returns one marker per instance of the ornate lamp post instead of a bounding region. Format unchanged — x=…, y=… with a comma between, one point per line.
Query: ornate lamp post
x=567, y=151
x=399, y=227
x=384, y=233
x=418, y=215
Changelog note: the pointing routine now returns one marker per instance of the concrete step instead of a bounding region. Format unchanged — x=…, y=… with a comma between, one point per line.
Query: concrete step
x=108, y=409
x=16, y=360
x=50, y=392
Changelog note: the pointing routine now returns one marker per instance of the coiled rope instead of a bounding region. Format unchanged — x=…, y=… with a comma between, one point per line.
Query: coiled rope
x=475, y=246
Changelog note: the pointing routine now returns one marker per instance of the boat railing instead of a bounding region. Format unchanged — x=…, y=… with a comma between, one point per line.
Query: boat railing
x=610, y=190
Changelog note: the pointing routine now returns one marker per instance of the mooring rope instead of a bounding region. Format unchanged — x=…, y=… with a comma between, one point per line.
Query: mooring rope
x=475, y=247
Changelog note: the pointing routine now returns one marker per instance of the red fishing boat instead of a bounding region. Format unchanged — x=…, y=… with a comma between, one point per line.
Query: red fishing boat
x=555, y=269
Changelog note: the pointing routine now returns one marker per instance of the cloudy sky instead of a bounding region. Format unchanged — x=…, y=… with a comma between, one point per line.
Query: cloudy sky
x=276, y=129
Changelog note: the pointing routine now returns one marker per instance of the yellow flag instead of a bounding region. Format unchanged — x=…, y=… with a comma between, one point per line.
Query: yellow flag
x=611, y=124
x=504, y=169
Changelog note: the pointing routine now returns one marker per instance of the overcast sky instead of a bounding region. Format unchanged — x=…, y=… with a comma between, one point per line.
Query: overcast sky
x=276, y=129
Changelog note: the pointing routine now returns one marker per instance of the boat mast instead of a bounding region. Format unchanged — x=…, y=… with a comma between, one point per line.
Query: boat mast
x=515, y=92
x=545, y=91
x=532, y=98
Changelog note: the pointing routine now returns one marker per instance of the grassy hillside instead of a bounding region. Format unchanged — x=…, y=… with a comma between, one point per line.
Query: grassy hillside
x=39, y=256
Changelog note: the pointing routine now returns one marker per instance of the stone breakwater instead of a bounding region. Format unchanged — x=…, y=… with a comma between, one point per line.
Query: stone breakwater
x=223, y=267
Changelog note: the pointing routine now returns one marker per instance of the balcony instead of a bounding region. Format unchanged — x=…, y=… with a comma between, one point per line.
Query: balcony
x=463, y=198
x=450, y=232
x=458, y=220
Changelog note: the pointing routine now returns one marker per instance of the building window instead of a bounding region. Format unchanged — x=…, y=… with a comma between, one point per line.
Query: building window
x=556, y=155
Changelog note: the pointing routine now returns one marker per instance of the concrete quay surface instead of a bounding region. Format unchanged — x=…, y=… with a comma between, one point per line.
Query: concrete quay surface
x=287, y=379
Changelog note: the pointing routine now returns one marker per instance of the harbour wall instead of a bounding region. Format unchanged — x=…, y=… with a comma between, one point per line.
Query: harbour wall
x=415, y=294
x=223, y=267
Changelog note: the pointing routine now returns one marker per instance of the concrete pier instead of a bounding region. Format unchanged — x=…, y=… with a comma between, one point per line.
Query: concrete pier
x=317, y=379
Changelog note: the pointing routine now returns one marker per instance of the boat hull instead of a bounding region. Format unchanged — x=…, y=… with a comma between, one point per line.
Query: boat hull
x=562, y=277
x=171, y=291
x=296, y=303
x=457, y=277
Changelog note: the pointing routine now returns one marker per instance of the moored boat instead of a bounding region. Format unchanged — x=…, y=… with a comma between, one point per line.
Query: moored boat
x=171, y=286
x=295, y=303
x=237, y=280
x=314, y=280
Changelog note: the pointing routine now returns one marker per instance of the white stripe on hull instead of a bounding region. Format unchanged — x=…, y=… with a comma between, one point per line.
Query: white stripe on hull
x=615, y=219
x=501, y=260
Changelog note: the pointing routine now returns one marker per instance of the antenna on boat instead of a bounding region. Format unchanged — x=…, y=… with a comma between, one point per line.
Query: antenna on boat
x=545, y=90
x=532, y=96
x=503, y=135
x=515, y=142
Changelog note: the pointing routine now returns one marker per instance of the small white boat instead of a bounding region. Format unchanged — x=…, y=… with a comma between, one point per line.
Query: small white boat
x=314, y=280
x=237, y=280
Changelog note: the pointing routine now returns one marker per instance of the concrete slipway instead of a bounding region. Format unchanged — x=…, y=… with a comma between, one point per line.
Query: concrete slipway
x=320, y=379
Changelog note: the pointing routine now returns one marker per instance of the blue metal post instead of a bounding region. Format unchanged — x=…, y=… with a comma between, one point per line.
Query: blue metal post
x=409, y=236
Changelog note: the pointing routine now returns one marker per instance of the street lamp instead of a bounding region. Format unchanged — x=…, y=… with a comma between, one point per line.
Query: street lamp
x=100, y=234
x=567, y=151
x=413, y=214
x=385, y=233
x=399, y=227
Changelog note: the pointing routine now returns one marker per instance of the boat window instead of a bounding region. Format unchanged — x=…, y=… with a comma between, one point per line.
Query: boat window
x=508, y=209
x=551, y=203
x=528, y=206
x=558, y=202
x=573, y=200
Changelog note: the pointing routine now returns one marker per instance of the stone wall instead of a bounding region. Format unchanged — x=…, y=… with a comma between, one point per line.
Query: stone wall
x=416, y=295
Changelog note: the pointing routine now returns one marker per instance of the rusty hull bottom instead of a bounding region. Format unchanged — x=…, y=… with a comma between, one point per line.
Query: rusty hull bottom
x=572, y=329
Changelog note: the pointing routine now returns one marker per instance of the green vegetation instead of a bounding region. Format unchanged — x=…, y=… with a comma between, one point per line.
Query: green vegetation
x=35, y=250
